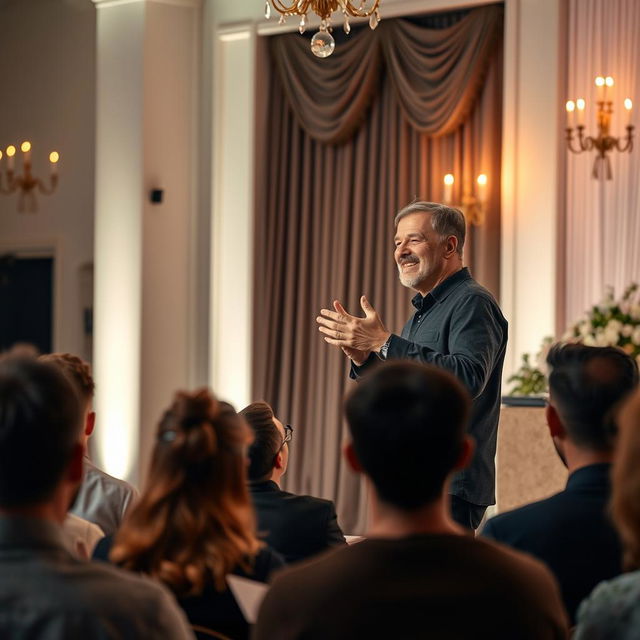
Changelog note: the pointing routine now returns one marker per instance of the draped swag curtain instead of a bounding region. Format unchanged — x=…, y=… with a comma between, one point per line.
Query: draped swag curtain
x=343, y=143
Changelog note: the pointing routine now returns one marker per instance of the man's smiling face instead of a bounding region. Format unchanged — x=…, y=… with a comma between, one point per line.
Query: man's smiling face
x=419, y=252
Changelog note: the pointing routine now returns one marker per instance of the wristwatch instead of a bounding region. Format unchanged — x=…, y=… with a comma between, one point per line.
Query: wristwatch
x=382, y=354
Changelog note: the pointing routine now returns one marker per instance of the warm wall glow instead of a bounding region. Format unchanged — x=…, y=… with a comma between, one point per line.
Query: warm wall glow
x=54, y=156
x=448, y=179
x=580, y=104
x=25, y=146
x=482, y=179
x=11, y=151
x=628, y=105
x=570, y=106
x=599, y=81
x=608, y=81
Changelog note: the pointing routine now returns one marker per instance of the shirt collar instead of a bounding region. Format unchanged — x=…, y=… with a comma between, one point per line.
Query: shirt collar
x=591, y=475
x=440, y=292
x=263, y=486
x=23, y=532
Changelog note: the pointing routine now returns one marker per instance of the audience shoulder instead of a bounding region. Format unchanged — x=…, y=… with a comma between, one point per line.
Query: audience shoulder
x=611, y=610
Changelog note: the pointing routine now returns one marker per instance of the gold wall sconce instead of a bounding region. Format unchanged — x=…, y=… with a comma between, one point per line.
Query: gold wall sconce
x=603, y=142
x=474, y=206
x=26, y=183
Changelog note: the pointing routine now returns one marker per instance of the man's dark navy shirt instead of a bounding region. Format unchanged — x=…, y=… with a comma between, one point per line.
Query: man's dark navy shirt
x=571, y=532
x=458, y=326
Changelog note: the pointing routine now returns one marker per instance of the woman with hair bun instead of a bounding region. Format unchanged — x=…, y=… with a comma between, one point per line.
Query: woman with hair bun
x=194, y=522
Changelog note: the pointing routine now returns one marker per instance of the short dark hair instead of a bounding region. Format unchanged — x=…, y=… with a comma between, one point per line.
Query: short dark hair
x=267, y=441
x=408, y=423
x=76, y=369
x=586, y=384
x=446, y=221
x=40, y=422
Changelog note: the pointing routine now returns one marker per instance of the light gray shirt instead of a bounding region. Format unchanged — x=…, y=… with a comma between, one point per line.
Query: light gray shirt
x=46, y=593
x=103, y=499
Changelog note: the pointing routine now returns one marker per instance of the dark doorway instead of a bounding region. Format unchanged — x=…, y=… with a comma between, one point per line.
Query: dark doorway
x=26, y=301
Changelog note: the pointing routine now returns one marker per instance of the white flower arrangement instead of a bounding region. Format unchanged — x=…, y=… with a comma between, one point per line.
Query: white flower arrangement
x=611, y=323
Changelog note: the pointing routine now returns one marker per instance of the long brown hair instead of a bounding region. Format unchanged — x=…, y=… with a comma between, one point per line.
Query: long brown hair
x=194, y=521
x=626, y=481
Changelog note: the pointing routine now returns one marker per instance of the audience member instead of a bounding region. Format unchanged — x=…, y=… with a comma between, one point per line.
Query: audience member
x=612, y=611
x=102, y=499
x=194, y=522
x=296, y=526
x=44, y=591
x=571, y=531
x=418, y=574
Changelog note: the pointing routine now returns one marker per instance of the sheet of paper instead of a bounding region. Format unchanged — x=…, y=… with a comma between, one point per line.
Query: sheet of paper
x=248, y=595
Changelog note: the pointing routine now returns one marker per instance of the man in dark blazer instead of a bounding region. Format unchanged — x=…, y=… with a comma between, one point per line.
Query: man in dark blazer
x=296, y=526
x=571, y=531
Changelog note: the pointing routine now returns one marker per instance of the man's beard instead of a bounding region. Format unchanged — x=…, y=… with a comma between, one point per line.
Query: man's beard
x=411, y=280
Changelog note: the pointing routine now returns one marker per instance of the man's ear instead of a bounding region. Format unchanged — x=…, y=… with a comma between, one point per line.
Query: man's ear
x=555, y=425
x=467, y=450
x=450, y=246
x=278, y=462
x=90, y=424
x=352, y=458
x=75, y=466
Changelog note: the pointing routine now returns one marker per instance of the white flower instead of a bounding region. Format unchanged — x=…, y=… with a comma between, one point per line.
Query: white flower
x=601, y=338
x=590, y=341
x=635, y=336
x=611, y=337
x=585, y=328
x=635, y=312
x=627, y=330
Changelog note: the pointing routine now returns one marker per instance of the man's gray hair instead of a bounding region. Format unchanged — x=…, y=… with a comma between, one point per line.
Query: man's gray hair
x=446, y=221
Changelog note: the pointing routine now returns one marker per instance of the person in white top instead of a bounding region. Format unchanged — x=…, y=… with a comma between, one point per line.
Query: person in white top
x=102, y=499
x=82, y=536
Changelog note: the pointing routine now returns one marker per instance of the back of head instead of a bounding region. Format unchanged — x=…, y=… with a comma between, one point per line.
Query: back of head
x=626, y=481
x=194, y=520
x=40, y=423
x=266, y=443
x=77, y=370
x=408, y=426
x=585, y=385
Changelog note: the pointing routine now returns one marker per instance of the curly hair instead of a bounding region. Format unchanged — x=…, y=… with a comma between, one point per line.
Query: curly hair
x=625, y=500
x=194, y=522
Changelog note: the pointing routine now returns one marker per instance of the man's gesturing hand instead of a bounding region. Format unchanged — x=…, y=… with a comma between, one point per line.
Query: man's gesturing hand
x=357, y=337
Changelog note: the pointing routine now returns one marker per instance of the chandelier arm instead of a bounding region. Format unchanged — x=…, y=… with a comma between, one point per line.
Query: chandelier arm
x=53, y=180
x=364, y=13
x=569, y=140
x=293, y=9
x=628, y=141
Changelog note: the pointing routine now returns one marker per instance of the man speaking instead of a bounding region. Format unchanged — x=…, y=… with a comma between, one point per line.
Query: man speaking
x=457, y=325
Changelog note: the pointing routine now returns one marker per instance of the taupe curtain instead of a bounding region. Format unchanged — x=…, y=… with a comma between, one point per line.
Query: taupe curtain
x=343, y=143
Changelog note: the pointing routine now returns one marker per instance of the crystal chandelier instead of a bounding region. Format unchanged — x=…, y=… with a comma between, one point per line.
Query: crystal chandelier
x=322, y=43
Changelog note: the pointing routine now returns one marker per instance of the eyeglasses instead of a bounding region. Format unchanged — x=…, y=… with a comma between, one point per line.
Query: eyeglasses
x=288, y=434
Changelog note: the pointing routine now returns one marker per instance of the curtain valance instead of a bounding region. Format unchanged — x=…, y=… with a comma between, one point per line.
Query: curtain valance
x=436, y=74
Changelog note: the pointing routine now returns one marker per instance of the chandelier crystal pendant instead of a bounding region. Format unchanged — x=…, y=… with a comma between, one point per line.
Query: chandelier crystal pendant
x=323, y=43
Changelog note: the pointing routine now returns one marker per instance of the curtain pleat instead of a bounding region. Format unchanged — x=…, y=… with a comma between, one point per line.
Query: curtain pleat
x=324, y=229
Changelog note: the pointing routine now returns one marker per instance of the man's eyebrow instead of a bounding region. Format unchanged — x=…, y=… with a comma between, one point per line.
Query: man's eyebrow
x=416, y=234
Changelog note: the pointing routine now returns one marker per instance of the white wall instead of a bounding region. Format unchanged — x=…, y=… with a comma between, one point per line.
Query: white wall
x=47, y=70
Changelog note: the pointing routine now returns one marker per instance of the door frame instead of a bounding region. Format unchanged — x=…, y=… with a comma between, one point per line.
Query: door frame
x=42, y=247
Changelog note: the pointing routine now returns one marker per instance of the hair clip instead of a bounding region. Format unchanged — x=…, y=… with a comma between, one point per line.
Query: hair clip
x=168, y=436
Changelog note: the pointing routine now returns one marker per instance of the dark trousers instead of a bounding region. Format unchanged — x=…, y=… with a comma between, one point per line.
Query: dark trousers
x=466, y=514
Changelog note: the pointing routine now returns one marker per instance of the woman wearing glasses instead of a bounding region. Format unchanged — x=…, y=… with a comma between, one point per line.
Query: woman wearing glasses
x=194, y=523
x=296, y=526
